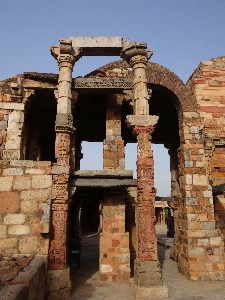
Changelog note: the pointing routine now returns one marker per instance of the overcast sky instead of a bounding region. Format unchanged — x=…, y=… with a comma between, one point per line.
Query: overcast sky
x=181, y=33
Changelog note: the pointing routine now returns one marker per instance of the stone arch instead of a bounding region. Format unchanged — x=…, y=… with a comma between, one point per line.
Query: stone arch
x=162, y=78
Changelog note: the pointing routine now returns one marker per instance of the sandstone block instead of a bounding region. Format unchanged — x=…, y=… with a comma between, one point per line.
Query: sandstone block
x=9, y=202
x=203, y=242
x=207, y=225
x=23, y=163
x=6, y=183
x=41, y=181
x=58, y=279
x=14, y=219
x=36, y=194
x=29, y=206
x=18, y=229
x=44, y=246
x=28, y=245
x=199, y=179
x=8, y=243
x=215, y=241
x=12, y=171
x=207, y=194
x=3, y=229
x=22, y=183
x=35, y=171
x=195, y=251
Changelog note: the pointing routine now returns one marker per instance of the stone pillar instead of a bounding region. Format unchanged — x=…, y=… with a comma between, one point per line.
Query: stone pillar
x=113, y=145
x=64, y=146
x=137, y=56
x=147, y=271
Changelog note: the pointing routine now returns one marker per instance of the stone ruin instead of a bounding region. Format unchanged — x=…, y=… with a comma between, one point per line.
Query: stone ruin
x=43, y=120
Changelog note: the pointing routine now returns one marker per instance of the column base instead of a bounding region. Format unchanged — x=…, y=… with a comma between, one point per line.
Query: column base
x=147, y=273
x=58, y=284
x=150, y=292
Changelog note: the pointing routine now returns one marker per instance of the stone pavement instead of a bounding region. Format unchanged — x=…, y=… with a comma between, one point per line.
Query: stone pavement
x=87, y=286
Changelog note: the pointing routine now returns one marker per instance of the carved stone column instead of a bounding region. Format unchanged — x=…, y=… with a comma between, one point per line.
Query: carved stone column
x=137, y=56
x=147, y=271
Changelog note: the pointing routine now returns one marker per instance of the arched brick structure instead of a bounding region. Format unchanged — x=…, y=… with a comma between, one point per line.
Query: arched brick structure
x=162, y=78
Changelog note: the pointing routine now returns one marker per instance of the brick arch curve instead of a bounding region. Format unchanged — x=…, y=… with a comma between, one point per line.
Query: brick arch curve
x=159, y=77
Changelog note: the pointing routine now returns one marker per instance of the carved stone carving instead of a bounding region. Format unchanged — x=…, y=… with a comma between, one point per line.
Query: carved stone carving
x=10, y=154
x=62, y=145
x=57, y=251
x=106, y=83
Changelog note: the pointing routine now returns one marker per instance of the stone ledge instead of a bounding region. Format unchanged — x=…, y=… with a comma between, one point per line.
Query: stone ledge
x=148, y=292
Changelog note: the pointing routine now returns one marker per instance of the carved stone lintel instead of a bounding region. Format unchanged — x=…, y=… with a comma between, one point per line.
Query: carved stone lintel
x=102, y=83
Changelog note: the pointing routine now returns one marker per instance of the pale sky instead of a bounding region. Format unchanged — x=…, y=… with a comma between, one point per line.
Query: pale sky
x=181, y=33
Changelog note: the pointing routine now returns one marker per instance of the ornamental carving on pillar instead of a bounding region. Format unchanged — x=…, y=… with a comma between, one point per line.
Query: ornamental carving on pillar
x=57, y=251
x=62, y=58
x=62, y=150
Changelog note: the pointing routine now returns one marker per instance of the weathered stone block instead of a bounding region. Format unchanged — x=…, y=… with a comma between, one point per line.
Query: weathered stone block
x=29, y=206
x=41, y=181
x=58, y=279
x=6, y=183
x=208, y=225
x=215, y=241
x=28, y=245
x=14, y=219
x=22, y=183
x=35, y=171
x=200, y=179
x=9, y=202
x=36, y=194
x=3, y=229
x=8, y=243
x=23, y=163
x=18, y=229
x=12, y=171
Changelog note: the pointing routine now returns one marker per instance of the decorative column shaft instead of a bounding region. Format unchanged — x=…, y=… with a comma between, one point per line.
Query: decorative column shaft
x=147, y=243
x=63, y=149
x=138, y=64
x=146, y=270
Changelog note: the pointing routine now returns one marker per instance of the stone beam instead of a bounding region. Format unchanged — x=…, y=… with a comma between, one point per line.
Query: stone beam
x=97, y=46
x=102, y=183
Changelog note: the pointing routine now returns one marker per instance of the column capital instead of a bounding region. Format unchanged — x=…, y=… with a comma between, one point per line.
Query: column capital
x=143, y=129
x=133, y=121
x=66, y=58
x=135, y=52
x=65, y=52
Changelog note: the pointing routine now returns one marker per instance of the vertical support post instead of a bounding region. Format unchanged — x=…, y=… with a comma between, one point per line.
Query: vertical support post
x=64, y=146
x=147, y=271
